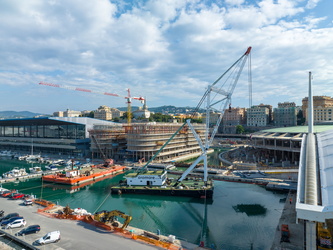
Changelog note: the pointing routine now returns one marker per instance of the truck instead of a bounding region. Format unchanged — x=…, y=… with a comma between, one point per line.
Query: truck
x=285, y=234
x=324, y=236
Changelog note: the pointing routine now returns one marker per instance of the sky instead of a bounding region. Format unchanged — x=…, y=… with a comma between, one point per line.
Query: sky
x=166, y=51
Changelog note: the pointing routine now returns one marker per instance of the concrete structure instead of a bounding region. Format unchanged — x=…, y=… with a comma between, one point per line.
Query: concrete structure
x=258, y=116
x=285, y=115
x=145, y=139
x=282, y=144
x=52, y=135
x=108, y=141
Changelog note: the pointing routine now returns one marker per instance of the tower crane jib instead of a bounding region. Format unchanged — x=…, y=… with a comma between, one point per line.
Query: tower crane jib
x=128, y=97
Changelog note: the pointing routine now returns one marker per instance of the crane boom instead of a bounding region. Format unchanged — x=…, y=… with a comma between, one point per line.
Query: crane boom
x=225, y=91
x=128, y=98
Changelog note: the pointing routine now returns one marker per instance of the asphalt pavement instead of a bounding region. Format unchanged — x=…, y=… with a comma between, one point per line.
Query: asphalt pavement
x=74, y=234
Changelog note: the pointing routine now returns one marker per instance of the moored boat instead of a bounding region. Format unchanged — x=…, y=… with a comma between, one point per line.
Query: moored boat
x=157, y=183
x=36, y=170
x=78, y=176
x=15, y=172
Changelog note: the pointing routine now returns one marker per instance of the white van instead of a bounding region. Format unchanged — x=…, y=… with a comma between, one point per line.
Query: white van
x=16, y=223
x=49, y=238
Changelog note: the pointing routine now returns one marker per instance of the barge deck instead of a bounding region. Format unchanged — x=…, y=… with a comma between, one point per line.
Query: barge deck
x=86, y=174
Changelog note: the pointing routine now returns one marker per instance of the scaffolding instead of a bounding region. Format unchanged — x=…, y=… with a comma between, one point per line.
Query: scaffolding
x=108, y=142
x=144, y=140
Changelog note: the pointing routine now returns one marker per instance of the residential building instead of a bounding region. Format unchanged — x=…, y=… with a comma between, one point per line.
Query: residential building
x=270, y=112
x=285, y=115
x=116, y=113
x=72, y=113
x=318, y=101
x=231, y=118
x=103, y=113
x=322, y=114
x=58, y=114
x=257, y=116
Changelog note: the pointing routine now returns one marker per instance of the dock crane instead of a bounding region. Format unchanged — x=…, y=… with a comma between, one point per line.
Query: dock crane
x=213, y=96
x=128, y=97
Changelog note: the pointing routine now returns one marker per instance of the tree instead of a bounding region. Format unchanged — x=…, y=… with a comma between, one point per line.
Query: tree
x=300, y=118
x=240, y=129
x=159, y=117
x=116, y=119
x=125, y=115
x=90, y=114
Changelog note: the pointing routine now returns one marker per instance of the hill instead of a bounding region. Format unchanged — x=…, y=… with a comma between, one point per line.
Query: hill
x=18, y=114
x=167, y=109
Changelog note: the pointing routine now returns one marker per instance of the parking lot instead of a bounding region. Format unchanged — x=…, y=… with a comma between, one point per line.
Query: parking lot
x=74, y=234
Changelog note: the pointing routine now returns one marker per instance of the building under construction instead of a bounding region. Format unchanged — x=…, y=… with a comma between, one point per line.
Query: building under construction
x=108, y=141
x=145, y=139
x=139, y=142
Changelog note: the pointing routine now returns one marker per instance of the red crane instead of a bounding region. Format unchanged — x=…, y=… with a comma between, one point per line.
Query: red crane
x=128, y=97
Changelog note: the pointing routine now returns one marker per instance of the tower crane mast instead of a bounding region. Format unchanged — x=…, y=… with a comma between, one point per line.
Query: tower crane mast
x=128, y=97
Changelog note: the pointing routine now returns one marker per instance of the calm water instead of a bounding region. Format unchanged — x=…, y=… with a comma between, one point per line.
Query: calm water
x=225, y=222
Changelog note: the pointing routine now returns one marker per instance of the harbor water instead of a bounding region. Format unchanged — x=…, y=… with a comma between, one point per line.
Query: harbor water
x=240, y=216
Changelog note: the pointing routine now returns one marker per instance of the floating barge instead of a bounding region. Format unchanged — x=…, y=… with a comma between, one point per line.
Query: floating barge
x=86, y=174
x=157, y=183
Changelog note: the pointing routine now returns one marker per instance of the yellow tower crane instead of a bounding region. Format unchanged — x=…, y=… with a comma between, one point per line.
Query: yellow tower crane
x=128, y=97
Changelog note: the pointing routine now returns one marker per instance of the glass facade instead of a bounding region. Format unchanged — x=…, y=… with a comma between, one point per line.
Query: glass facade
x=69, y=131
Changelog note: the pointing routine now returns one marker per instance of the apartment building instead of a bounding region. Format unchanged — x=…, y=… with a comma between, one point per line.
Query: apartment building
x=320, y=103
x=285, y=115
x=231, y=118
x=258, y=116
x=103, y=113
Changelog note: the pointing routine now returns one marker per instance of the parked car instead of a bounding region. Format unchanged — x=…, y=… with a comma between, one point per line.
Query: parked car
x=6, y=222
x=29, y=230
x=16, y=223
x=8, y=216
x=27, y=202
x=49, y=238
x=18, y=196
x=6, y=193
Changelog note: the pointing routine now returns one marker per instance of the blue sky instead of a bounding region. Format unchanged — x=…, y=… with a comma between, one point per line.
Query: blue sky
x=167, y=51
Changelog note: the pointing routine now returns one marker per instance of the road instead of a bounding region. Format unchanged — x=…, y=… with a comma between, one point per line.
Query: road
x=74, y=234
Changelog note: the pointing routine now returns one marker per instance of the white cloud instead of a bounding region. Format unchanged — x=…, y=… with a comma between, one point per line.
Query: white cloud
x=312, y=4
x=167, y=50
x=234, y=2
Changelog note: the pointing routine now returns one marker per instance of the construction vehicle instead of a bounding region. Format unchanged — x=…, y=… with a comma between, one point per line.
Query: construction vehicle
x=285, y=234
x=110, y=218
x=324, y=236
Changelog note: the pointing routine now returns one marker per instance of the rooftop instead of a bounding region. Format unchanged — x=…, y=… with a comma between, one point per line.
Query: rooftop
x=157, y=172
x=299, y=129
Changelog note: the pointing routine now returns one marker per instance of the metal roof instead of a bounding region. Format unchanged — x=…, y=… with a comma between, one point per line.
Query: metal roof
x=33, y=121
x=299, y=129
x=325, y=152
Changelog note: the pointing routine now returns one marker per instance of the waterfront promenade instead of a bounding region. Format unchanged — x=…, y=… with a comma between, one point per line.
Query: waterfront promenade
x=288, y=217
x=75, y=235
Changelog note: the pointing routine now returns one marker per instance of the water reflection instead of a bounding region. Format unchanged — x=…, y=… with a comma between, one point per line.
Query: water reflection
x=250, y=209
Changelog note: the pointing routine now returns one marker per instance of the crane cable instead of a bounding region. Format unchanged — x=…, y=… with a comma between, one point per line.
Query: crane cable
x=102, y=202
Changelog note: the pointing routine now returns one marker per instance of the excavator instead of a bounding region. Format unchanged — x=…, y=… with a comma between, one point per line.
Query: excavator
x=110, y=217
